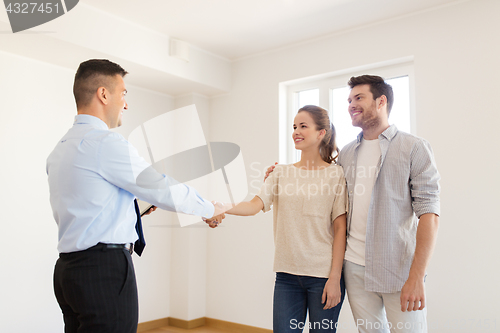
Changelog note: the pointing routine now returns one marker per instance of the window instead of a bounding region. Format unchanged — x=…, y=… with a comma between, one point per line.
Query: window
x=307, y=97
x=331, y=93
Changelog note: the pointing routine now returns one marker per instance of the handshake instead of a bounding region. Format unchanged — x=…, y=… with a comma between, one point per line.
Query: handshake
x=220, y=209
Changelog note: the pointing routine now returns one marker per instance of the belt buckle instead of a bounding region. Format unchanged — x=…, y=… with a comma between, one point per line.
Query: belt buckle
x=130, y=247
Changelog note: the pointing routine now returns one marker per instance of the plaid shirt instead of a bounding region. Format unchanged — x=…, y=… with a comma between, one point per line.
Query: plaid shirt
x=406, y=186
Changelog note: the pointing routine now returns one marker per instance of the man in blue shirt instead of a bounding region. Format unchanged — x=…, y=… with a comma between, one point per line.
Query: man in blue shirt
x=92, y=174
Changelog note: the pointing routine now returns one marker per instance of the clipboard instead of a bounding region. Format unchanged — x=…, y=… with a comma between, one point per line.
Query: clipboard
x=144, y=206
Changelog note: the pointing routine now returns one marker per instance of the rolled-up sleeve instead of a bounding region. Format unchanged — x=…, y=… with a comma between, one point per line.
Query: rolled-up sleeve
x=424, y=180
x=268, y=189
x=341, y=203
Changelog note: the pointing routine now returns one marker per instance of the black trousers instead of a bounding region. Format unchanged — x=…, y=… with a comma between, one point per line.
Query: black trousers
x=97, y=291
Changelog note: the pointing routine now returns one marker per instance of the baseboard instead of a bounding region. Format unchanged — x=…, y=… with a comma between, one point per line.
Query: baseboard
x=149, y=325
x=189, y=324
x=186, y=324
x=234, y=327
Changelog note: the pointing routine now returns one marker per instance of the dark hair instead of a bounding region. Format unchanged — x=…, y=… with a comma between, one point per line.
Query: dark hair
x=91, y=75
x=378, y=87
x=322, y=120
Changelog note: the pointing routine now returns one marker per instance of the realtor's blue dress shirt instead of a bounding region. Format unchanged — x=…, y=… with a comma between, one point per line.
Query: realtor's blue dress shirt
x=92, y=175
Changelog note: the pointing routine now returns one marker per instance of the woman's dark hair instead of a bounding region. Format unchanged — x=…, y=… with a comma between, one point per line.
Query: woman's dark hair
x=322, y=120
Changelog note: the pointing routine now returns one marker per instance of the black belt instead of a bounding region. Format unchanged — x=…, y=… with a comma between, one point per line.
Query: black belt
x=129, y=247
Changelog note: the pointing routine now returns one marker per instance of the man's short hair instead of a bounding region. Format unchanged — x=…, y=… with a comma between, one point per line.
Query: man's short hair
x=378, y=87
x=91, y=75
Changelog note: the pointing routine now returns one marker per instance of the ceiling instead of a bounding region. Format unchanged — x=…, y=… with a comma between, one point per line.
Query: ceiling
x=234, y=29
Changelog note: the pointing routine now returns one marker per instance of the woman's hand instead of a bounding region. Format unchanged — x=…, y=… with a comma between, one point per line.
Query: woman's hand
x=331, y=294
x=269, y=170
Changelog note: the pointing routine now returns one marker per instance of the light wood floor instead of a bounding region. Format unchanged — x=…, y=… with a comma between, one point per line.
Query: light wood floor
x=170, y=329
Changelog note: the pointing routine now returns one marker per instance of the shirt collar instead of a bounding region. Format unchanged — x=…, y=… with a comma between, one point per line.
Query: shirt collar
x=92, y=120
x=360, y=137
x=389, y=133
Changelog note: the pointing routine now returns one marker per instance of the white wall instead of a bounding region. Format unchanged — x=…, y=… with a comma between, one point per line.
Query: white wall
x=36, y=109
x=35, y=113
x=189, y=245
x=455, y=50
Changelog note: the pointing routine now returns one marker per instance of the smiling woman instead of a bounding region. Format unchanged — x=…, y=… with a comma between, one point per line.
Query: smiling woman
x=309, y=202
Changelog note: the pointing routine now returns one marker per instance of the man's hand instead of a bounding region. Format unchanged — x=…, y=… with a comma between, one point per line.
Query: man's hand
x=413, y=292
x=215, y=221
x=269, y=170
x=150, y=210
x=331, y=294
x=413, y=295
x=220, y=208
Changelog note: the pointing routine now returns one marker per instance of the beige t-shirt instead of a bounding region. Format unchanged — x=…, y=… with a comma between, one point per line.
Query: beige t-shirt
x=306, y=202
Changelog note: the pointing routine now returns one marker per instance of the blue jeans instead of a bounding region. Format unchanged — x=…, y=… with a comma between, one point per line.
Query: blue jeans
x=294, y=295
